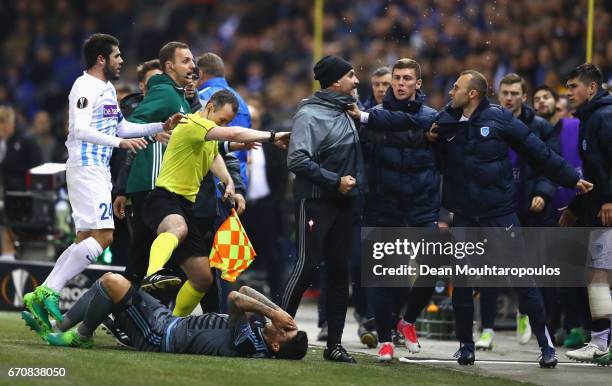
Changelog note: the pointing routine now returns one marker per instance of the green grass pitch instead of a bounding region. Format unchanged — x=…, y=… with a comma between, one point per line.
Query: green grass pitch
x=106, y=364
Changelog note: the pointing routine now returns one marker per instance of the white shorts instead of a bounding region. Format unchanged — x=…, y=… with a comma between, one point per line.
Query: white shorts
x=600, y=249
x=89, y=192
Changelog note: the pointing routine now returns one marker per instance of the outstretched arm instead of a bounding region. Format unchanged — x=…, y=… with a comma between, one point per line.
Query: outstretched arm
x=381, y=119
x=242, y=134
x=540, y=157
x=127, y=129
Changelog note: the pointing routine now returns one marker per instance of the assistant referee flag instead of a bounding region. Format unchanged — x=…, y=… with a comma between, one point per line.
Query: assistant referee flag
x=232, y=252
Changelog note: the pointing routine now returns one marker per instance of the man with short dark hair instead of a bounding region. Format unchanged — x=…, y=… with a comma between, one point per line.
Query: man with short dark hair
x=593, y=107
x=152, y=328
x=145, y=71
x=325, y=155
x=95, y=121
x=474, y=139
x=405, y=190
x=547, y=104
x=573, y=301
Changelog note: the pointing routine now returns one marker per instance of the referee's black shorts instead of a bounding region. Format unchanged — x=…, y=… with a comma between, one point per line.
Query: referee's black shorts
x=161, y=203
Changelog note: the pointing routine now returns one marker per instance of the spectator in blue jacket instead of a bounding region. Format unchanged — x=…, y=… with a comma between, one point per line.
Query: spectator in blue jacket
x=212, y=79
x=404, y=189
x=594, y=109
x=473, y=143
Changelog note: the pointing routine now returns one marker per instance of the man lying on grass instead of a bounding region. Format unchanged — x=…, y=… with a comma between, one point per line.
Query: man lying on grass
x=151, y=326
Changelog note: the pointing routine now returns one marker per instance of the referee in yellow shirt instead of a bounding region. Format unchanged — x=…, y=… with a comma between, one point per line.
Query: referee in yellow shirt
x=191, y=153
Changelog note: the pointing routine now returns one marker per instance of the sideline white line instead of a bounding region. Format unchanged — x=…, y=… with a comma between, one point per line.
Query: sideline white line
x=491, y=362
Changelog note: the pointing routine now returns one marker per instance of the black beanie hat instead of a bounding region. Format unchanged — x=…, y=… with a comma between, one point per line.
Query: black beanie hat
x=329, y=69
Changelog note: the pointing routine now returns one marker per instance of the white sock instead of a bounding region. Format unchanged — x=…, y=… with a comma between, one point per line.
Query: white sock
x=60, y=262
x=600, y=339
x=488, y=330
x=81, y=255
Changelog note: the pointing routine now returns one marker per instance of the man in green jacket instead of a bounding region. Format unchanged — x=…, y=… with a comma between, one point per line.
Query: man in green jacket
x=165, y=96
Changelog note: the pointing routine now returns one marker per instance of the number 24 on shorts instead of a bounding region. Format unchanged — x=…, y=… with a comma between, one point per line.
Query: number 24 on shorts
x=107, y=210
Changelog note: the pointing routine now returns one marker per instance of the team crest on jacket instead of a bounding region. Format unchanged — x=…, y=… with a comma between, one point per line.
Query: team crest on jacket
x=584, y=146
x=484, y=131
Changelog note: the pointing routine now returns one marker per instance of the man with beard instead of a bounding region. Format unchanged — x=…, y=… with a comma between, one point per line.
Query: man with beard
x=534, y=195
x=244, y=332
x=553, y=107
x=474, y=139
x=325, y=155
x=95, y=123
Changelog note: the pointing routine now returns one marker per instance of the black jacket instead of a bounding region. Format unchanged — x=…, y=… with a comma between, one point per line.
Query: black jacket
x=404, y=178
x=476, y=169
x=276, y=171
x=533, y=184
x=324, y=147
x=121, y=160
x=595, y=141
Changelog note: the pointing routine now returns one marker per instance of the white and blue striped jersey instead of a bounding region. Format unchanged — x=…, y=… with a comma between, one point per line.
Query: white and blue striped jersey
x=92, y=107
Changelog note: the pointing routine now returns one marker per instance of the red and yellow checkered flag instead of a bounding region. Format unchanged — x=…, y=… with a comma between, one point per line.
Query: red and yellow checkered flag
x=232, y=252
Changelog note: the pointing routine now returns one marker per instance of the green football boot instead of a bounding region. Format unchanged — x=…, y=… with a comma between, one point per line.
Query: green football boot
x=50, y=300
x=35, y=326
x=576, y=338
x=69, y=338
x=36, y=309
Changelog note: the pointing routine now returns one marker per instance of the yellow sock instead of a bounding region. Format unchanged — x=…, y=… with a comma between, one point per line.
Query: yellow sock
x=161, y=250
x=186, y=300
